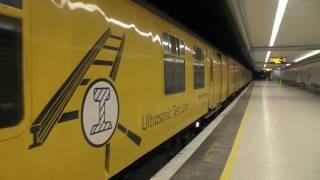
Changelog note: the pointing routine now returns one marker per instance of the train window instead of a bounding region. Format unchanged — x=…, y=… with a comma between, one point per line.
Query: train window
x=13, y=3
x=219, y=56
x=174, y=74
x=180, y=75
x=174, y=67
x=182, y=47
x=165, y=42
x=10, y=71
x=177, y=46
x=199, y=75
x=174, y=45
x=198, y=68
x=169, y=73
x=198, y=53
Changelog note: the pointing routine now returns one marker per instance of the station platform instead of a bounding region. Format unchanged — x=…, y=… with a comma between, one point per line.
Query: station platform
x=271, y=133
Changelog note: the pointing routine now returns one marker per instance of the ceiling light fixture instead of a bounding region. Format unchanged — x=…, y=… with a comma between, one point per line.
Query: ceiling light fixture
x=276, y=25
x=310, y=54
x=277, y=22
x=267, y=57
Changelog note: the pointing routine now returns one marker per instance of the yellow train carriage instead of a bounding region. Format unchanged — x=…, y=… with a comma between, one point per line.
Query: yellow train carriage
x=231, y=76
x=217, y=78
x=225, y=77
x=238, y=76
x=91, y=86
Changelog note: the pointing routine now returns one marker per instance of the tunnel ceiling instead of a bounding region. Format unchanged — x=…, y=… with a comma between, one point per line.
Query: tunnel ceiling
x=211, y=20
x=274, y=29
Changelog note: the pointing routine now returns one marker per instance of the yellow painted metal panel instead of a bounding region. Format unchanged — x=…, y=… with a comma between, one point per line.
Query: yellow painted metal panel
x=58, y=37
x=225, y=78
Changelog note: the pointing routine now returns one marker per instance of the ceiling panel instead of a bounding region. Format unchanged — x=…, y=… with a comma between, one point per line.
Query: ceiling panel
x=300, y=25
x=260, y=15
x=259, y=56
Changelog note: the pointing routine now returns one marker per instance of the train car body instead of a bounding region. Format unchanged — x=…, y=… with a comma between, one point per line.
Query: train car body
x=99, y=85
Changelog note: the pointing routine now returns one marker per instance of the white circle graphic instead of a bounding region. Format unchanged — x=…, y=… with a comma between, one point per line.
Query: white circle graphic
x=100, y=112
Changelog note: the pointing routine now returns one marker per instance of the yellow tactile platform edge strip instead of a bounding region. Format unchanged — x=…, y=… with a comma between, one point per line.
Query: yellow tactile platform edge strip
x=228, y=169
x=169, y=170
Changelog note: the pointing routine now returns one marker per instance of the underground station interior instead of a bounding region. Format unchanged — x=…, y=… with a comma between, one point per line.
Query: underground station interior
x=159, y=89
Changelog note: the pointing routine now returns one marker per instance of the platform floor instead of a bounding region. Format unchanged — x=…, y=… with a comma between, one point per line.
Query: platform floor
x=281, y=135
x=279, y=138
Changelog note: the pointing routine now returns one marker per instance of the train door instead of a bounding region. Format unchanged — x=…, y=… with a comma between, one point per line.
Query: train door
x=211, y=85
x=221, y=77
x=230, y=76
x=227, y=67
x=14, y=91
x=15, y=98
x=224, y=78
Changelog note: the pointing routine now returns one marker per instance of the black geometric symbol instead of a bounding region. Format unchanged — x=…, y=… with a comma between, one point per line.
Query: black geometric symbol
x=101, y=95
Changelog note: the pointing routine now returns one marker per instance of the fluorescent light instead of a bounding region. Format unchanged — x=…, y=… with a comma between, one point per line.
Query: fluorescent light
x=267, y=57
x=277, y=22
x=310, y=54
x=268, y=69
x=276, y=25
x=288, y=64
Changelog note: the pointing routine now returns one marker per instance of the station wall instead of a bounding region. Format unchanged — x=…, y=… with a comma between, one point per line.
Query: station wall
x=307, y=74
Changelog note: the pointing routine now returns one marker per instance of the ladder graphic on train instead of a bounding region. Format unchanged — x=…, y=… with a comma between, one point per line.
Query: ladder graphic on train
x=54, y=110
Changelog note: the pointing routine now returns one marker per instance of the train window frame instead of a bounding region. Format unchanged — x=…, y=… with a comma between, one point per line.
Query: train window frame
x=198, y=53
x=173, y=45
x=11, y=108
x=219, y=56
x=198, y=76
x=174, y=80
x=12, y=3
x=198, y=68
x=182, y=47
x=177, y=46
x=174, y=66
x=165, y=42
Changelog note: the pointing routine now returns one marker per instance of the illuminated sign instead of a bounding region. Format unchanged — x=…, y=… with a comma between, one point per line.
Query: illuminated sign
x=268, y=69
x=278, y=60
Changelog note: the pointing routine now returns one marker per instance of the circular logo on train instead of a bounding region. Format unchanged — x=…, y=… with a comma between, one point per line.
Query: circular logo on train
x=100, y=112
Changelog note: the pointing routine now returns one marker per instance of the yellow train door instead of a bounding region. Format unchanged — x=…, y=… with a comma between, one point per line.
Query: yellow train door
x=225, y=77
x=15, y=98
x=221, y=77
x=211, y=85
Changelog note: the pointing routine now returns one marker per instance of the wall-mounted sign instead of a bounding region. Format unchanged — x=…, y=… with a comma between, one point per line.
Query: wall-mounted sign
x=278, y=60
x=267, y=69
